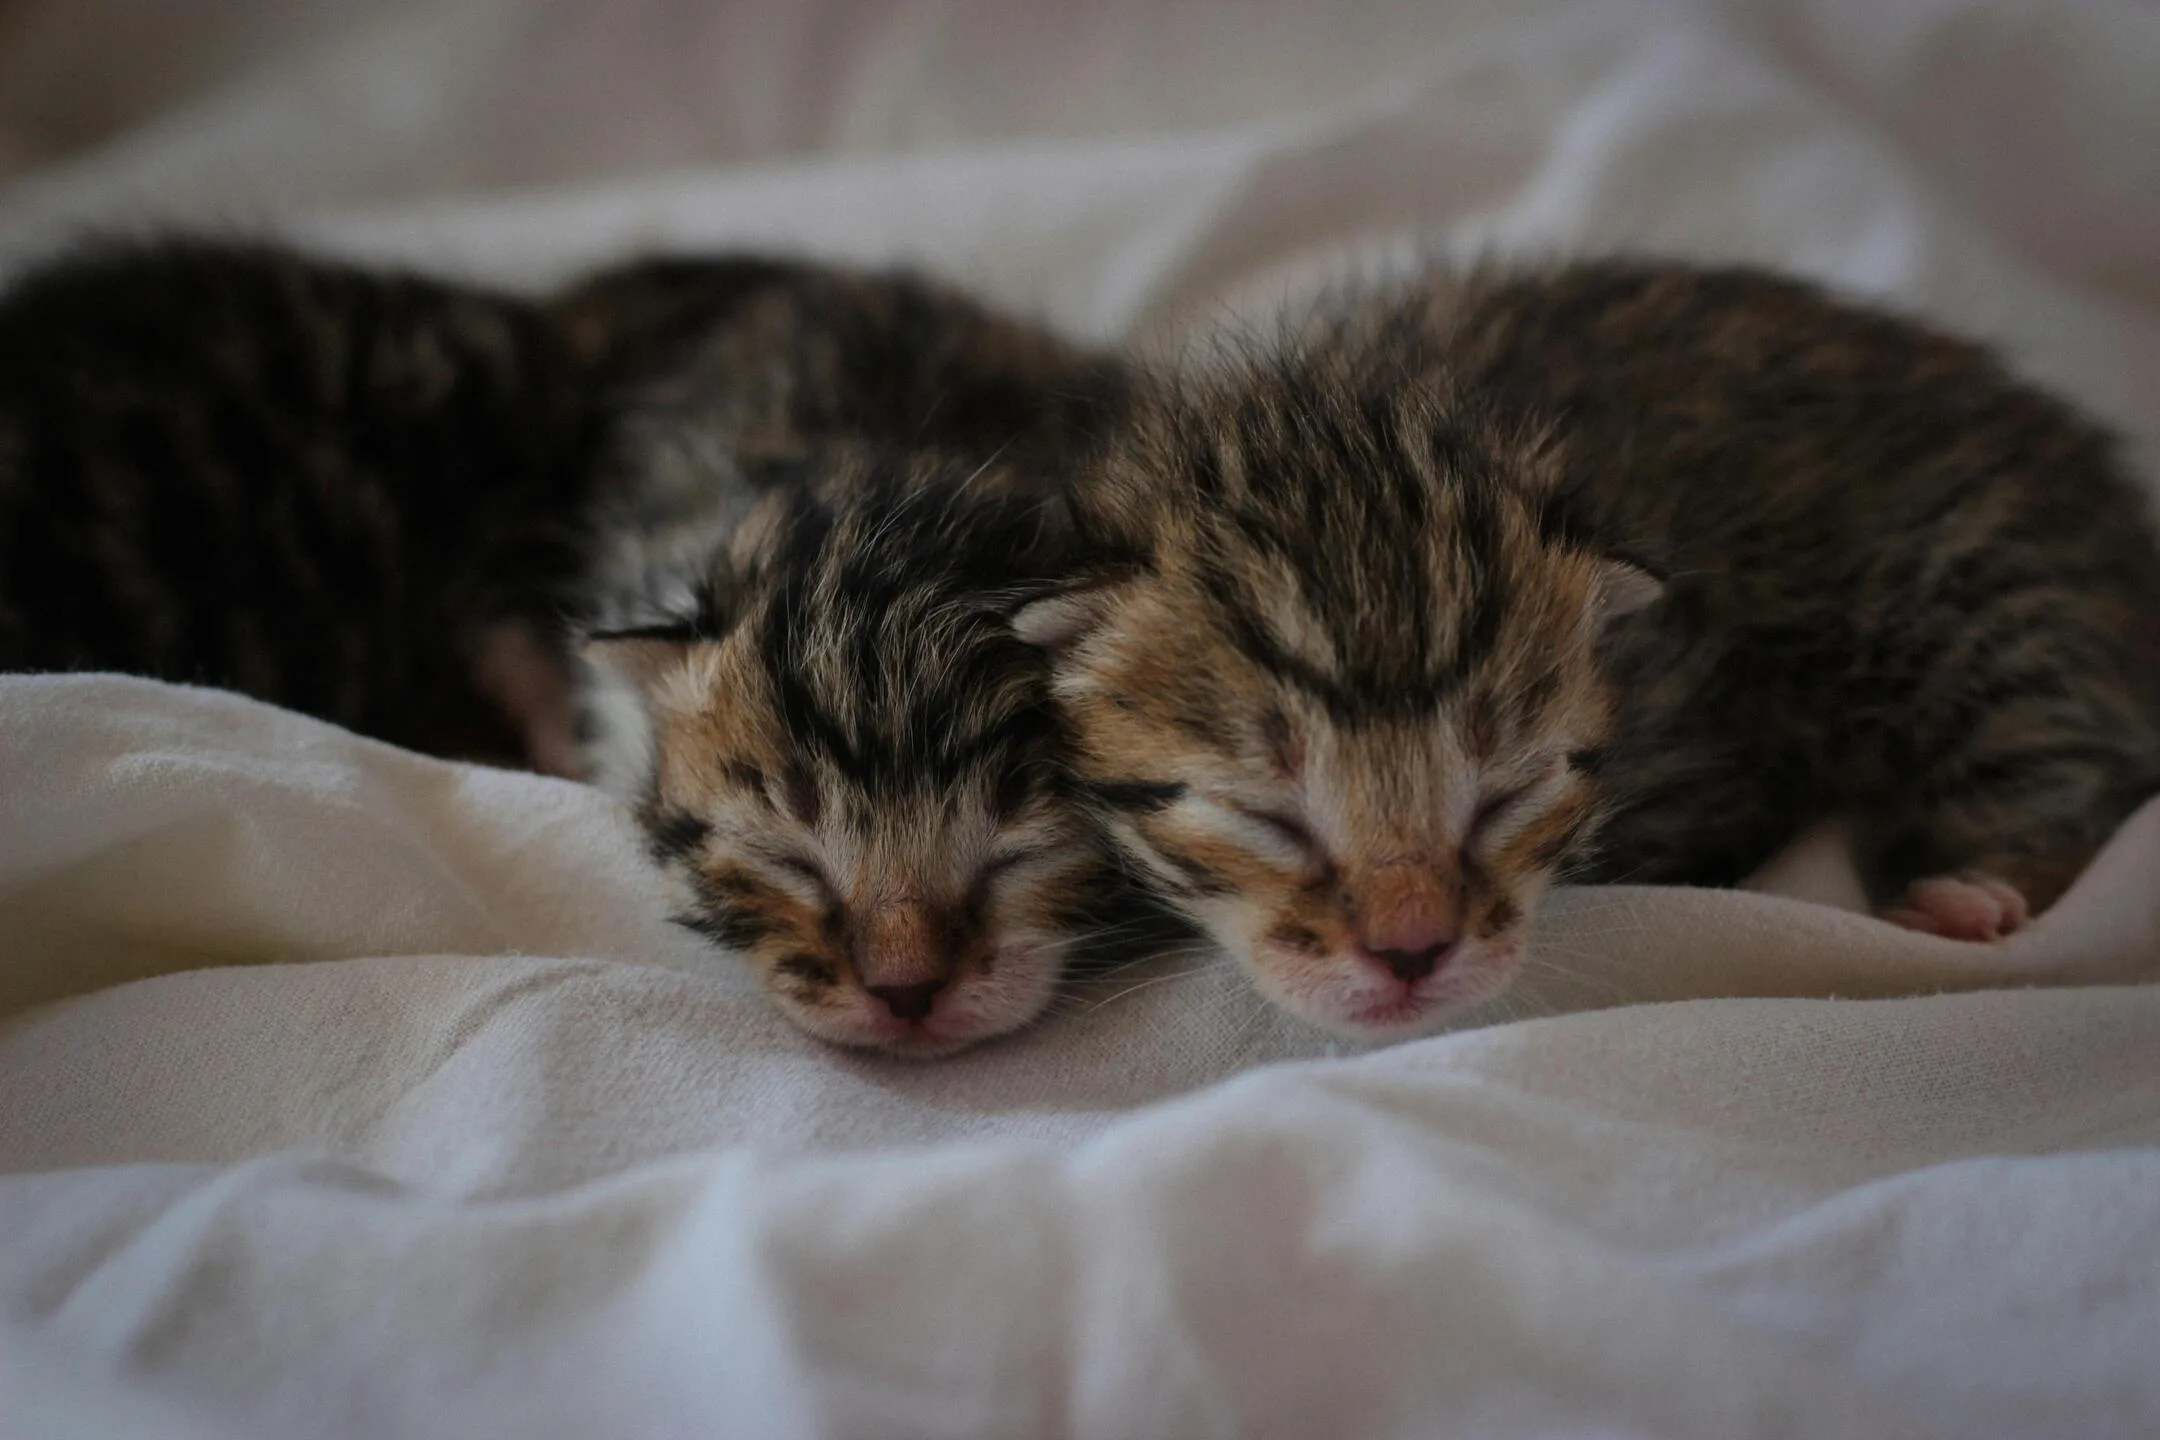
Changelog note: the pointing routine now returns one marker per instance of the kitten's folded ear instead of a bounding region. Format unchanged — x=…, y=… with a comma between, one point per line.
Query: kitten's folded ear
x=1058, y=622
x=639, y=656
x=1621, y=588
x=1079, y=578
x=623, y=669
x=1624, y=582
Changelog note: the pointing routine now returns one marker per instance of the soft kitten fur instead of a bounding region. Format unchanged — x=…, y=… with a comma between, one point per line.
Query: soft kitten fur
x=1620, y=571
x=735, y=384
x=390, y=501
x=818, y=510
x=326, y=487
x=714, y=360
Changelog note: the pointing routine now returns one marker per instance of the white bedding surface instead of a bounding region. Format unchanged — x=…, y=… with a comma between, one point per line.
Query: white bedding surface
x=352, y=1093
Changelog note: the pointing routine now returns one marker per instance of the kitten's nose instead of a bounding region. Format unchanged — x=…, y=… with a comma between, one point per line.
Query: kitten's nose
x=1412, y=962
x=907, y=1002
x=1407, y=921
x=904, y=957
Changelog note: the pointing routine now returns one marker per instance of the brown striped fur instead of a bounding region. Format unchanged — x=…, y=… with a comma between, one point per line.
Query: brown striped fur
x=393, y=502
x=823, y=495
x=1399, y=660
x=351, y=492
x=850, y=766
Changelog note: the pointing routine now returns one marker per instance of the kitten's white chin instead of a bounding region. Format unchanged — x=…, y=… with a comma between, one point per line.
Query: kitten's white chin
x=1016, y=990
x=920, y=1043
x=1344, y=997
x=905, y=1040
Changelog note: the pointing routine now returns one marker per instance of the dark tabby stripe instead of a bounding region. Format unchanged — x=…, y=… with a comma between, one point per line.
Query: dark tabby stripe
x=320, y=485
x=1137, y=796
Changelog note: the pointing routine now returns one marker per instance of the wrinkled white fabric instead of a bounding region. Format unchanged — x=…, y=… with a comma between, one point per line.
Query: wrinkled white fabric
x=351, y=1093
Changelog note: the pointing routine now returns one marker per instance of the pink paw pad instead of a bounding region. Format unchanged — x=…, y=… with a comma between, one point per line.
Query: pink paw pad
x=1962, y=907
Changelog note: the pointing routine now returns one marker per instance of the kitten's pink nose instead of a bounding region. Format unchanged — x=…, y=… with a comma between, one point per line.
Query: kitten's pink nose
x=1407, y=923
x=904, y=957
x=907, y=1002
x=1413, y=955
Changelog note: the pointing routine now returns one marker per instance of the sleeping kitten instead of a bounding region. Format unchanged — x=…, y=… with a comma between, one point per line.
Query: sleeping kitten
x=822, y=496
x=1697, y=556
x=388, y=501
x=849, y=763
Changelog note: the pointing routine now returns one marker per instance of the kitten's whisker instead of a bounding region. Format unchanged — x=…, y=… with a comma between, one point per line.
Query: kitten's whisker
x=1146, y=984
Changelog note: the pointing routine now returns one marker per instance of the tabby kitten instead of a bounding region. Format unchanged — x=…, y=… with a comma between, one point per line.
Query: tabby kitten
x=396, y=503
x=820, y=502
x=1620, y=571
x=849, y=763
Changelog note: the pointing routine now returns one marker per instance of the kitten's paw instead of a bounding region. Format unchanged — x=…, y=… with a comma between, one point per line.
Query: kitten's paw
x=1962, y=907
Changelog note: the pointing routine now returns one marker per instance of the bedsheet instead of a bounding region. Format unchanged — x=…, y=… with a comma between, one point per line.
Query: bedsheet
x=352, y=1093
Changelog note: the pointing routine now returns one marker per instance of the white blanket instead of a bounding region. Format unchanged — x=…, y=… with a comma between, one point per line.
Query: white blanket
x=352, y=1093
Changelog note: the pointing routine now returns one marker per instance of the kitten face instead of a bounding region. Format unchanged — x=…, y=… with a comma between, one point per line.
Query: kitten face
x=1349, y=721
x=860, y=784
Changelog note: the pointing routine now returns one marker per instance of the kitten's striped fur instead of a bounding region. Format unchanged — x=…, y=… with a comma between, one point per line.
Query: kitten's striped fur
x=850, y=764
x=331, y=488
x=1400, y=657
x=841, y=486
x=394, y=502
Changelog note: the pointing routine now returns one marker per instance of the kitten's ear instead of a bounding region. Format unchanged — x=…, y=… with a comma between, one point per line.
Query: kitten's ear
x=1621, y=583
x=1621, y=588
x=619, y=735
x=1058, y=622
x=638, y=658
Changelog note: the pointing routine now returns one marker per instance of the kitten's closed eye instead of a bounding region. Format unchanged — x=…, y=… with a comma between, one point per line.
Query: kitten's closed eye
x=1498, y=806
x=995, y=869
x=1286, y=828
x=1010, y=860
x=1495, y=807
x=810, y=873
x=810, y=969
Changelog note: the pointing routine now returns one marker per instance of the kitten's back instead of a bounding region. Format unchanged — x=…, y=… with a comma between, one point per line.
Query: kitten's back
x=319, y=485
x=773, y=355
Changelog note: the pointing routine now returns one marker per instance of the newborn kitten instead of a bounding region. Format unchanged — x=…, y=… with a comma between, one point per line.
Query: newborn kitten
x=387, y=501
x=849, y=763
x=823, y=495
x=1700, y=555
